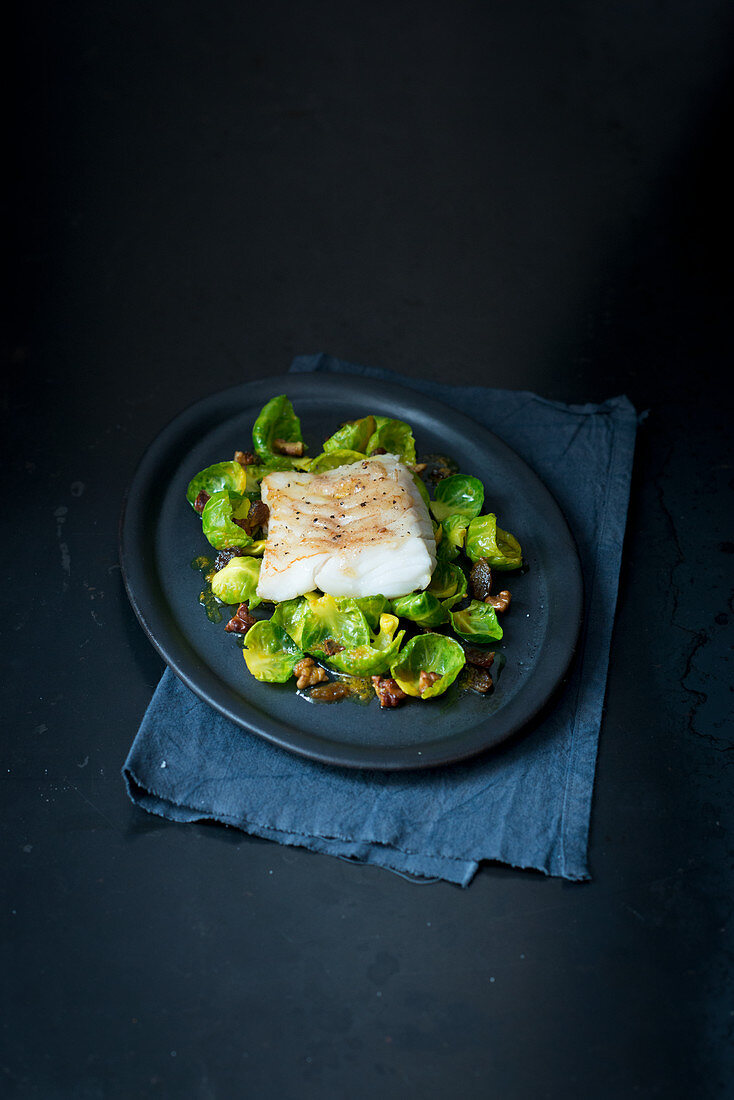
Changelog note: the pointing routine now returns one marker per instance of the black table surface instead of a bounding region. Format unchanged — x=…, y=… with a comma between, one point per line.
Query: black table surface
x=530, y=196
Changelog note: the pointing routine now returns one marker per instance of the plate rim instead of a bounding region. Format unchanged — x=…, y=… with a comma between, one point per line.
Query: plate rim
x=204, y=683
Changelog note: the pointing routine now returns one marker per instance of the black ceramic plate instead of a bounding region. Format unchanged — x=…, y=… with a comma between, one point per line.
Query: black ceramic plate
x=161, y=535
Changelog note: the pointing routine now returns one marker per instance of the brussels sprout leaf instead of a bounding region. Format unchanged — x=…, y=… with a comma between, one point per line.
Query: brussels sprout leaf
x=395, y=436
x=477, y=623
x=270, y=653
x=486, y=540
x=461, y=495
x=218, y=517
x=422, y=608
x=352, y=436
x=428, y=653
x=217, y=478
x=277, y=420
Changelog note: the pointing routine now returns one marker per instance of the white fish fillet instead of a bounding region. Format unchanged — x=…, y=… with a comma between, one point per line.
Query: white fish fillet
x=359, y=530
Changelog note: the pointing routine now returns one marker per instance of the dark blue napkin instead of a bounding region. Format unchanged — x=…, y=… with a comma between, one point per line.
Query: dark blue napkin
x=527, y=804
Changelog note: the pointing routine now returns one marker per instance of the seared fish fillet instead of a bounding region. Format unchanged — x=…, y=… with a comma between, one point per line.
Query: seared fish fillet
x=358, y=530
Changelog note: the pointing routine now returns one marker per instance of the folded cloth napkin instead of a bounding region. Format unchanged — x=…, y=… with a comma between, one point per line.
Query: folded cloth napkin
x=526, y=804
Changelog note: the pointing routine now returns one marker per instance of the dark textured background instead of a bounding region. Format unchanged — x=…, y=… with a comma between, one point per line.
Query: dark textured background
x=528, y=195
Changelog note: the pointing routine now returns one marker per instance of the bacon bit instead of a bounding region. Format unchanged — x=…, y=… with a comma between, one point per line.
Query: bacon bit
x=241, y=621
x=285, y=447
x=245, y=458
x=478, y=679
x=388, y=691
x=501, y=602
x=258, y=516
x=426, y=679
x=478, y=657
x=201, y=500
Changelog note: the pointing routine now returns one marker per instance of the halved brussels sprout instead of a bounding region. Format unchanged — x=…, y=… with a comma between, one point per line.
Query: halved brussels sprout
x=230, y=476
x=270, y=653
x=277, y=420
x=428, y=653
x=448, y=583
x=485, y=539
x=352, y=436
x=237, y=581
x=374, y=658
x=395, y=436
x=461, y=495
x=477, y=623
x=340, y=620
x=422, y=608
x=454, y=530
x=331, y=460
x=217, y=520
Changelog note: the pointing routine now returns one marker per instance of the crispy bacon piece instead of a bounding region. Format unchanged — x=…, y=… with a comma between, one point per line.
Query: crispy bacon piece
x=241, y=621
x=478, y=657
x=200, y=502
x=245, y=458
x=256, y=517
x=285, y=447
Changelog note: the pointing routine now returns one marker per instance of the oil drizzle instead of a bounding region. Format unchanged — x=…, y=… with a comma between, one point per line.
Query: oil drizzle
x=204, y=565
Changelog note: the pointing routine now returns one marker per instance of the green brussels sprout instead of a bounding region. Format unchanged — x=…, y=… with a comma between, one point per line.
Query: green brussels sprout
x=485, y=539
x=374, y=658
x=453, y=536
x=291, y=616
x=237, y=581
x=395, y=436
x=331, y=460
x=373, y=607
x=340, y=620
x=461, y=495
x=218, y=517
x=448, y=584
x=422, y=608
x=270, y=653
x=230, y=476
x=352, y=436
x=477, y=623
x=277, y=420
x=428, y=653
